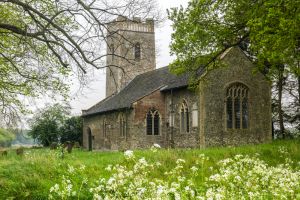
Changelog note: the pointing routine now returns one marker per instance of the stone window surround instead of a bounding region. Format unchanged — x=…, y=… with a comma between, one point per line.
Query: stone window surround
x=137, y=51
x=104, y=128
x=184, y=118
x=122, y=125
x=195, y=115
x=245, y=95
x=153, y=111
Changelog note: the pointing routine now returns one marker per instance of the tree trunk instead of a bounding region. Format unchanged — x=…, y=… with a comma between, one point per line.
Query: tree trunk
x=298, y=90
x=280, y=111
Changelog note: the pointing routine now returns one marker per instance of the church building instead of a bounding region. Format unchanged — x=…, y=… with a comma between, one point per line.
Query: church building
x=145, y=105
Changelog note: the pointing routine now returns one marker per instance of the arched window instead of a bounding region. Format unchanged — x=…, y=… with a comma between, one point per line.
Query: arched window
x=237, y=106
x=184, y=118
x=195, y=115
x=122, y=123
x=104, y=128
x=152, y=120
x=137, y=51
x=112, y=51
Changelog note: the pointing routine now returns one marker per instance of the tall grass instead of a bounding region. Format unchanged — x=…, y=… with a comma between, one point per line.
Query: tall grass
x=32, y=175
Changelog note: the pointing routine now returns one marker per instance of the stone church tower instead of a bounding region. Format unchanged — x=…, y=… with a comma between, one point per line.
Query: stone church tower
x=131, y=51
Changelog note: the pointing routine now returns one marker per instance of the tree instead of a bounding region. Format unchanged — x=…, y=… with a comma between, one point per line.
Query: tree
x=266, y=29
x=43, y=42
x=71, y=130
x=6, y=137
x=45, y=126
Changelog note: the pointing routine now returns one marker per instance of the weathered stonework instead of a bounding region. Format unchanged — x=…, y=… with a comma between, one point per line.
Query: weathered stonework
x=173, y=102
x=121, y=62
x=120, y=121
x=213, y=131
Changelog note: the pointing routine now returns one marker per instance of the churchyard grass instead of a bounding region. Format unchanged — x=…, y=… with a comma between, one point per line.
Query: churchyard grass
x=155, y=173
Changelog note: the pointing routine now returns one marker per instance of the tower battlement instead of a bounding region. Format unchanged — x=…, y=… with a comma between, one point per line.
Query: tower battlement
x=130, y=50
x=134, y=24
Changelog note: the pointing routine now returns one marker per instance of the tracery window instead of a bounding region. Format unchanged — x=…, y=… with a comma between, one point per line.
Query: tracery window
x=184, y=118
x=122, y=123
x=152, y=122
x=237, y=106
x=137, y=51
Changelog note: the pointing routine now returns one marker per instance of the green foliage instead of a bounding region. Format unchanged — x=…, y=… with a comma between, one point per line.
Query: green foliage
x=32, y=176
x=53, y=124
x=27, y=65
x=45, y=43
x=46, y=125
x=71, y=130
x=206, y=28
x=6, y=137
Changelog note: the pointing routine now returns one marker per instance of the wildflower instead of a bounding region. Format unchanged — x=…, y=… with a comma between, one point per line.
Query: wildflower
x=108, y=168
x=71, y=169
x=187, y=188
x=143, y=161
x=84, y=181
x=110, y=181
x=69, y=188
x=128, y=154
x=82, y=167
x=194, y=169
x=155, y=147
x=181, y=178
x=180, y=161
x=202, y=156
x=160, y=190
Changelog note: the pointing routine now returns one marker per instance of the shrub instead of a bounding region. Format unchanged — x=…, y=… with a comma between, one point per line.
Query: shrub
x=6, y=137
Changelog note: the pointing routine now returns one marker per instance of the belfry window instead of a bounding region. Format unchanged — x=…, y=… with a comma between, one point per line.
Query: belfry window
x=184, y=118
x=137, y=51
x=112, y=51
x=152, y=122
x=237, y=106
x=122, y=123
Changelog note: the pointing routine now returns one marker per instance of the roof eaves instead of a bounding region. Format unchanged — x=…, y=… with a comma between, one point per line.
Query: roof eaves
x=165, y=89
x=104, y=111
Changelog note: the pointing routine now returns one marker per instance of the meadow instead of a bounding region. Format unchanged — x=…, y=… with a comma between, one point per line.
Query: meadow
x=265, y=171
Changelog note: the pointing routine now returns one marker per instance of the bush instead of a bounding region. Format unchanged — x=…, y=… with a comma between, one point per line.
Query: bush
x=45, y=126
x=53, y=125
x=6, y=137
x=71, y=130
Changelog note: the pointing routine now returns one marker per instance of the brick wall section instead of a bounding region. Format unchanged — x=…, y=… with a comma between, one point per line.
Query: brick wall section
x=136, y=137
x=138, y=121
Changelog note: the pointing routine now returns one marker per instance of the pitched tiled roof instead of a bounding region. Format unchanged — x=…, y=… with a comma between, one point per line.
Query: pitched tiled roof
x=139, y=87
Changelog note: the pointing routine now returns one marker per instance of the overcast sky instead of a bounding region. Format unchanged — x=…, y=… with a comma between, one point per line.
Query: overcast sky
x=95, y=90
